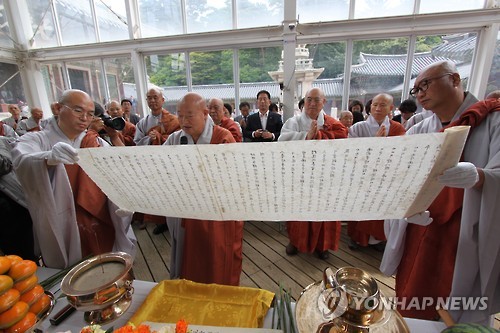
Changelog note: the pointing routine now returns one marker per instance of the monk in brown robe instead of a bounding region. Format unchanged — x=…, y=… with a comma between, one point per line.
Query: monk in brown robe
x=128, y=132
x=205, y=251
x=216, y=109
x=313, y=124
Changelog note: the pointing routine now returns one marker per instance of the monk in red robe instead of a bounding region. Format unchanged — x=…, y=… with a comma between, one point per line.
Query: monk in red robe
x=216, y=109
x=204, y=251
x=313, y=124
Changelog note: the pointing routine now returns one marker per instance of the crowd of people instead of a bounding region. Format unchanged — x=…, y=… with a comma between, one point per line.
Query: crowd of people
x=44, y=190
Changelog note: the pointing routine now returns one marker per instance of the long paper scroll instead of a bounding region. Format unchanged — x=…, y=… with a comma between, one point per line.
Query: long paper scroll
x=326, y=180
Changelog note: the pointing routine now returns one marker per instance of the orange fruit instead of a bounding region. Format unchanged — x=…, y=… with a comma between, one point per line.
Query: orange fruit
x=41, y=305
x=26, y=284
x=23, y=325
x=14, y=258
x=32, y=295
x=6, y=283
x=5, y=264
x=22, y=270
x=8, y=299
x=13, y=315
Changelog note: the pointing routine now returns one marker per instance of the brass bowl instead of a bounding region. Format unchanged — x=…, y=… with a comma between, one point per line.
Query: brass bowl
x=101, y=285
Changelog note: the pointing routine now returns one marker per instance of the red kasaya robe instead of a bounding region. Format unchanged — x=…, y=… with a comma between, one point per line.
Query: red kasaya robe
x=428, y=263
x=168, y=124
x=1, y=129
x=97, y=233
x=127, y=134
x=213, y=249
x=232, y=127
x=360, y=232
x=319, y=236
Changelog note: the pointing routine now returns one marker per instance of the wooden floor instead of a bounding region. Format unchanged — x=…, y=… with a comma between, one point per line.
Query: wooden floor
x=265, y=263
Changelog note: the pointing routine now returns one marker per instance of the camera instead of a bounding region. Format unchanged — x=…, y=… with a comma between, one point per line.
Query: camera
x=117, y=123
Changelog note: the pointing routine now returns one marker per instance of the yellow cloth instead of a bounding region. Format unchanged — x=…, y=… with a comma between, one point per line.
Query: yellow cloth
x=204, y=304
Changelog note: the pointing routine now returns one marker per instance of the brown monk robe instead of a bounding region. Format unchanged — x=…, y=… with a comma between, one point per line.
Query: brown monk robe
x=232, y=127
x=97, y=233
x=312, y=236
x=428, y=263
x=168, y=124
x=213, y=250
x=127, y=134
x=360, y=232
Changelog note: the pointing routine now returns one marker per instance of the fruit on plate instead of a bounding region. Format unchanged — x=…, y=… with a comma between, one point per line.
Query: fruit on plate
x=13, y=315
x=469, y=328
x=5, y=264
x=33, y=295
x=41, y=305
x=23, y=325
x=6, y=283
x=8, y=299
x=22, y=270
x=26, y=284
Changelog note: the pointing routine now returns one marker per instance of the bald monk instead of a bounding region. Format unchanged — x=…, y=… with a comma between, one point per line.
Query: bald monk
x=217, y=243
x=128, y=132
x=32, y=124
x=72, y=217
x=154, y=129
x=313, y=124
x=216, y=109
x=377, y=124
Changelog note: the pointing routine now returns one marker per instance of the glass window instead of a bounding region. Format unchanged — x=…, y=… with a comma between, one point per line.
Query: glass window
x=205, y=15
x=494, y=78
x=87, y=76
x=256, y=63
x=42, y=23
x=75, y=21
x=168, y=71
x=382, y=8
x=160, y=17
x=53, y=79
x=112, y=20
x=12, y=91
x=330, y=57
x=255, y=13
x=214, y=67
x=378, y=66
x=314, y=10
x=120, y=75
x=4, y=27
x=432, y=6
x=458, y=48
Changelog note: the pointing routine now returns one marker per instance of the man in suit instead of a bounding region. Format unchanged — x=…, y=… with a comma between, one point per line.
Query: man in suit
x=242, y=118
x=263, y=126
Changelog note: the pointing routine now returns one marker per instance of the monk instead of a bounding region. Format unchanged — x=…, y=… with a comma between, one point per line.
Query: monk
x=452, y=249
x=32, y=124
x=203, y=251
x=72, y=217
x=216, y=109
x=377, y=124
x=154, y=129
x=313, y=124
x=127, y=134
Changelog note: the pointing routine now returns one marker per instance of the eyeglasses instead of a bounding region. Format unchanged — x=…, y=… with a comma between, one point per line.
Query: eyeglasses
x=424, y=85
x=315, y=100
x=79, y=112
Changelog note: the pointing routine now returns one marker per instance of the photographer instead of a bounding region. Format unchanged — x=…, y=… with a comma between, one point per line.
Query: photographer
x=107, y=133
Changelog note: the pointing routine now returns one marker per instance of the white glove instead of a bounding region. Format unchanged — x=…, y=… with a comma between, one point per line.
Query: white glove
x=422, y=219
x=123, y=212
x=462, y=175
x=62, y=153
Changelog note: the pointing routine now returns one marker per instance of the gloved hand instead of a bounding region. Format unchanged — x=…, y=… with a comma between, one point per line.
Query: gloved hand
x=62, y=153
x=422, y=219
x=462, y=175
x=123, y=212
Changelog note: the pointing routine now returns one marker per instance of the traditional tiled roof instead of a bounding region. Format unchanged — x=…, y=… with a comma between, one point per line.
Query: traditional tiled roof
x=248, y=91
x=460, y=48
x=392, y=64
